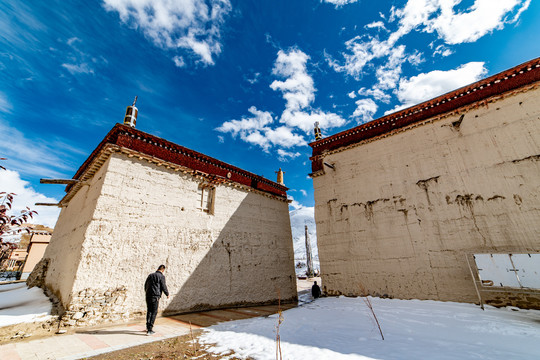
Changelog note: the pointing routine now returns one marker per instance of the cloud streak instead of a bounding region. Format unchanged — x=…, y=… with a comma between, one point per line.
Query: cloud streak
x=41, y=158
x=184, y=24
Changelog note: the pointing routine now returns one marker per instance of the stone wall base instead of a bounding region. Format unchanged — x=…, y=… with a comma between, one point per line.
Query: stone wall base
x=529, y=300
x=90, y=307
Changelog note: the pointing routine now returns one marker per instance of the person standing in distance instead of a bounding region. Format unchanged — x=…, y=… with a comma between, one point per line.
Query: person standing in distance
x=315, y=291
x=154, y=286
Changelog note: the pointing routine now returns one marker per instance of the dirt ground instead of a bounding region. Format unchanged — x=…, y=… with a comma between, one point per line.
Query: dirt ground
x=182, y=347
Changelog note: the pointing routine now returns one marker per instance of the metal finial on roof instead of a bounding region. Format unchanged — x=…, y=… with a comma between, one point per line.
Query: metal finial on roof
x=318, y=135
x=131, y=114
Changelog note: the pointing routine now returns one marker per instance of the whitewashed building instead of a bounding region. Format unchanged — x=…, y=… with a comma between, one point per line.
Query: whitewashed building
x=402, y=203
x=139, y=201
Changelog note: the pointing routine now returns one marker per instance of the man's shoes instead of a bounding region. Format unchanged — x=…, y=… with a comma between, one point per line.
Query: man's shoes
x=150, y=332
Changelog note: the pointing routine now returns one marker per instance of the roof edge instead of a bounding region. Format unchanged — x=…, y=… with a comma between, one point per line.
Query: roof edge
x=137, y=140
x=508, y=80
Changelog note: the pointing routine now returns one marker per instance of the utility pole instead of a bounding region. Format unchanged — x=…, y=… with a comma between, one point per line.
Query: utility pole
x=309, y=261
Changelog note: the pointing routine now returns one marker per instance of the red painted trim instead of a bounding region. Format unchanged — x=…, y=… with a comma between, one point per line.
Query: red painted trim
x=511, y=79
x=128, y=137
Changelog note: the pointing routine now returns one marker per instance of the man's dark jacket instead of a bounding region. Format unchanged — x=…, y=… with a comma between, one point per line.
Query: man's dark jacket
x=315, y=291
x=155, y=285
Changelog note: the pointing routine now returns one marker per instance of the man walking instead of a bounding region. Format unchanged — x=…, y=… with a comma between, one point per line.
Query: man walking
x=154, y=286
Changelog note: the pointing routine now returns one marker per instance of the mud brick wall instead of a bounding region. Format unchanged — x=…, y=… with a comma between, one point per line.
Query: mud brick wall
x=398, y=214
x=135, y=215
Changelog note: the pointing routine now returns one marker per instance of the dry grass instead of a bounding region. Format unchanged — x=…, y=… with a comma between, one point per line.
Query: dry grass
x=280, y=320
x=368, y=303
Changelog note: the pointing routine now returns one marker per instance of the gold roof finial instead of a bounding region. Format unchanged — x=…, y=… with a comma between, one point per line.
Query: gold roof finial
x=280, y=176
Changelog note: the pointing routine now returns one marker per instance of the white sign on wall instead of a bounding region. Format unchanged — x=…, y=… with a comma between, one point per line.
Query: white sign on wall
x=509, y=270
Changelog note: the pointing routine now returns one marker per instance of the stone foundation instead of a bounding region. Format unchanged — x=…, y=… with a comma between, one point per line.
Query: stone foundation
x=91, y=306
x=512, y=298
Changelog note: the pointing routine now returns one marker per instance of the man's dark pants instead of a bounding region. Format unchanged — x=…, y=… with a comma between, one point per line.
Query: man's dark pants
x=152, y=303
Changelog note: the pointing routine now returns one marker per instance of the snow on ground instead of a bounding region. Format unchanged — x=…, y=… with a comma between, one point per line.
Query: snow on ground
x=18, y=304
x=342, y=328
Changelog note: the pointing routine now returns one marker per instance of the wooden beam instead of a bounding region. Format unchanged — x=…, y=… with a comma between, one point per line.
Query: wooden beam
x=47, y=204
x=58, y=181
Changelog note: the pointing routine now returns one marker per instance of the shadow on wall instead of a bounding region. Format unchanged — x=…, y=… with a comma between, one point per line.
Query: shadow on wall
x=250, y=262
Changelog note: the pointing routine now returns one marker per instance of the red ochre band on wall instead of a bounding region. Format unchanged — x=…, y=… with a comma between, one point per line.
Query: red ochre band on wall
x=511, y=79
x=139, y=141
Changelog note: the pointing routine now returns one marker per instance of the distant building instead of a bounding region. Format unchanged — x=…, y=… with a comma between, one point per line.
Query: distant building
x=16, y=260
x=140, y=201
x=402, y=202
x=39, y=240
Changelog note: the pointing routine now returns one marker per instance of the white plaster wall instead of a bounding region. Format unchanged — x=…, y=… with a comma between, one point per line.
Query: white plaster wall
x=399, y=214
x=64, y=250
x=147, y=215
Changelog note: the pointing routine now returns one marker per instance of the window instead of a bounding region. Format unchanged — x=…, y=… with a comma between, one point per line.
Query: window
x=207, y=194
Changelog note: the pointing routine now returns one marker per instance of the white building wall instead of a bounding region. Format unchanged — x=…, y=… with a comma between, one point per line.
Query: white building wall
x=399, y=214
x=147, y=215
x=64, y=250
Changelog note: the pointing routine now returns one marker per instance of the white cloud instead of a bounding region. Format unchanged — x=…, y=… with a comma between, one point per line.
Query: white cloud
x=256, y=138
x=75, y=69
x=253, y=80
x=482, y=17
x=352, y=94
x=376, y=93
x=79, y=62
x=305, y=120
x=286, y=155
x=298, y=90
x=179, y=61
x=183, y=24
x=385, y=56
x=284, y=136
x=361, y=50
x=389, y=73
x=375, y=25
x=455, y=27
x=339, y=3
x=5, y=105
x=304, y=192
x=426, y=86
x=255, y=130
x=365, y=108
x=442, y=50
x=26, y=197
x=45, y=158
x=72, y=40
x=257, y=121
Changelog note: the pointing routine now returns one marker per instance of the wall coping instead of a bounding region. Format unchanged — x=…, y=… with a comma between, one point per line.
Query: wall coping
x=126, y=137
x=475, y=93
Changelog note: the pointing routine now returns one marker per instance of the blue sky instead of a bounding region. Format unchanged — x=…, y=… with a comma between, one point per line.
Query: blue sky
x=242, y=81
